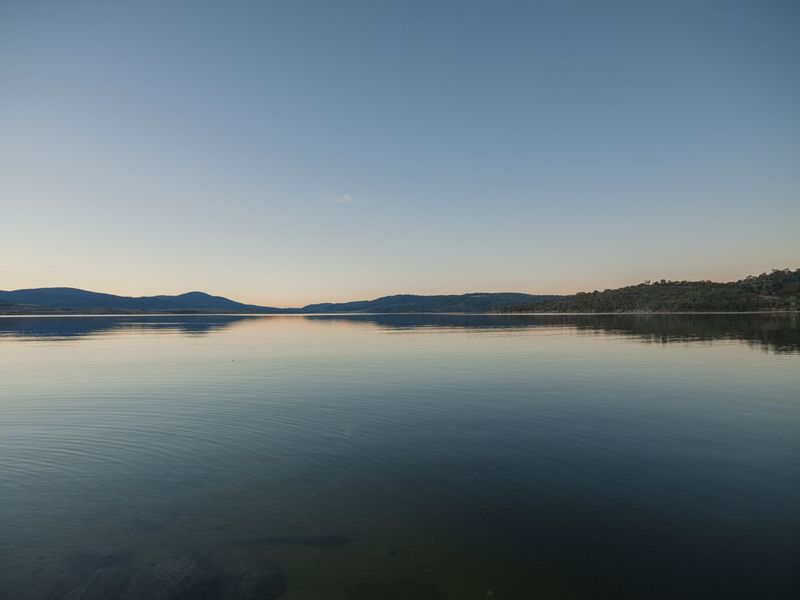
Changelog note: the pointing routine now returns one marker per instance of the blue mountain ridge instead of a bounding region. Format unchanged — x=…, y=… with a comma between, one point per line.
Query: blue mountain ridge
x=75, y=300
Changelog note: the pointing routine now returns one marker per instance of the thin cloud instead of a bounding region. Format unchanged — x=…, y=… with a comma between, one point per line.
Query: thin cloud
x=339, y=199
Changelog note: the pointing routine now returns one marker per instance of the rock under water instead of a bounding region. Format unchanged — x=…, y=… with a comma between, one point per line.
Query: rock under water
x=173, y=578
x=317, y=541
x=394, y=589
x=245, y=576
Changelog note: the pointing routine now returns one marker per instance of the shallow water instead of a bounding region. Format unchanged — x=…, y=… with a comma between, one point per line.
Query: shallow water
x=406, y=456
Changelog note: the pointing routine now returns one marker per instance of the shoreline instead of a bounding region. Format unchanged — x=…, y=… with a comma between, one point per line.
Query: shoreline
x=357, y=314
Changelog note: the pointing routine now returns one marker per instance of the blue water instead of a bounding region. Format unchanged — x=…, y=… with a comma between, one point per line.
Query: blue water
x=405, y=456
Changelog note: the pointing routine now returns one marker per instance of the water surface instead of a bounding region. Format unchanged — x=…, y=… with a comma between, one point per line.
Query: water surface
x=406, y=456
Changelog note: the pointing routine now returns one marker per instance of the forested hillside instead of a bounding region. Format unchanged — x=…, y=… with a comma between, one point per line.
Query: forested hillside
x=777, y=290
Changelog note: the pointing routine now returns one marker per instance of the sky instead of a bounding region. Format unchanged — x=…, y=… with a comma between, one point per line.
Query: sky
x=290, y=152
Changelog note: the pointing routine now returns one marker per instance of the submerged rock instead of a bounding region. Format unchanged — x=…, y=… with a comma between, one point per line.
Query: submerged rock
x=241, y=576
x=256, y=585
x=102, y=584
x=109, y=559
x=251, y=574
x=175, y=578
x=396, y=589
x=314, y=541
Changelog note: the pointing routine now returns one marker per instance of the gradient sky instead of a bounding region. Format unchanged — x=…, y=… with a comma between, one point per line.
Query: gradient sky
x=292, y=152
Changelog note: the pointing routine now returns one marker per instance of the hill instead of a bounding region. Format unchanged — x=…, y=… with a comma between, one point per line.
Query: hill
x=409, y=303
x=57, y=300
x=777, y=290
x=76, y=301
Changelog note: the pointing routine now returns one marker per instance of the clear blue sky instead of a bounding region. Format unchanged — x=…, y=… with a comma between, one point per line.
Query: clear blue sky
x=292, y=152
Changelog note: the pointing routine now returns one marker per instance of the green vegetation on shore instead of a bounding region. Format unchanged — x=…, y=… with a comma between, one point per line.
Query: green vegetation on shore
x=777, y=290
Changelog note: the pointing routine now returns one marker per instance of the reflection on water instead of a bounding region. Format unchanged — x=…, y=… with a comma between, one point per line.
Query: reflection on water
x=56, y=328
x=779, y=332
x=399, y=457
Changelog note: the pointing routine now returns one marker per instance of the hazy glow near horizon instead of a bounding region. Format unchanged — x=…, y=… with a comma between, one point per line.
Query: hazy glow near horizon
x=284, y=153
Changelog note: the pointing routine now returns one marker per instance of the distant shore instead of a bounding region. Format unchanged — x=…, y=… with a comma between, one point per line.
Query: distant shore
x=289, y=313
x=769, y=293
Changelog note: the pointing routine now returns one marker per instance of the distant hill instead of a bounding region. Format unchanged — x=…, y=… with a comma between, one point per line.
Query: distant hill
x=76, y=301
x=44, y=300
x=408, y=303
x=777, y=290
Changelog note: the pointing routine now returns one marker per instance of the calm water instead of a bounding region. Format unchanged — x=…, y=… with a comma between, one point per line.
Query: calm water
x=406, y=457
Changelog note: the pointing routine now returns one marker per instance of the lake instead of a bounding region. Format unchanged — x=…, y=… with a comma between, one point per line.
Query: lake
x=400, y=457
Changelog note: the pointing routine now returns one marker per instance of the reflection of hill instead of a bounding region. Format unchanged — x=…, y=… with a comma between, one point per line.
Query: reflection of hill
x=773, y=332
x=776, y=332
x=432, y=320
x=76, y=327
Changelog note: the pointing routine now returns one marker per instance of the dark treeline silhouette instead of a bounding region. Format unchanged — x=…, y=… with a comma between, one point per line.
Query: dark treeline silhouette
x=777, y=290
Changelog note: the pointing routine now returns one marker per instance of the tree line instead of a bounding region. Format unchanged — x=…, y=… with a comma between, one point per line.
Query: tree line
x=776, y=290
